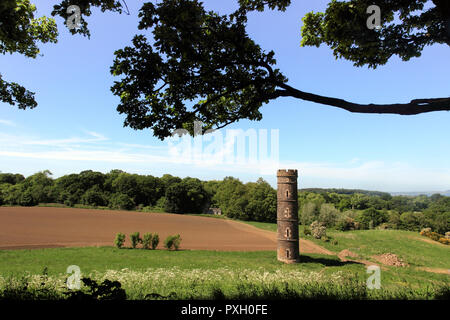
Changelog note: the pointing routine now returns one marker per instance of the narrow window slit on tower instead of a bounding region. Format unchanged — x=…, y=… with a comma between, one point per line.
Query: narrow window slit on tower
x=288, y=233
x=288, y=254
x=287, y=213
x=287, y=193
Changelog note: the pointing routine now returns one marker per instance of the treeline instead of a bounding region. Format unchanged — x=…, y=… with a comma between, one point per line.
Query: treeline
x=121, y=190
x=363, y=211
x=256, y=201
x=347, y=191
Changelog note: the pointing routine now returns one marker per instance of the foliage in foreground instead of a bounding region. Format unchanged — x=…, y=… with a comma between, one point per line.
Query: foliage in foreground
x=222, y=283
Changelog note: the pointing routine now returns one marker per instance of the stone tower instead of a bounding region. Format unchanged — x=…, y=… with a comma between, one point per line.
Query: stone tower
x=287, y=217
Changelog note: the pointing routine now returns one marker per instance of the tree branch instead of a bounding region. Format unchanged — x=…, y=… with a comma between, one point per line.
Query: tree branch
x=413, y=107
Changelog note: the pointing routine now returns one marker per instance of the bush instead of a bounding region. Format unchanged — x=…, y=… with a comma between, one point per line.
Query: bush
x=172, y=242
x=444, y=241
x=309, y=213
x=435, y=236
x=426, y=232
x=318, y=229
x=334, y=242
x=121, y=201
x=94, y=197
x=120, y=240
x=383, y=226
x=147, y=241
x=187, y=196
x=345, y=223
x=135, y=239
x=155, y=241
x=325, y=239
x=328, y=214
x=26, y=199
x=307, y=231
x=371, y=218
x=394, y=220
x=412, y=221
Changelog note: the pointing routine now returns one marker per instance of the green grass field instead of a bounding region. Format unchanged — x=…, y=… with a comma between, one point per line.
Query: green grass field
x=89, y=259
x=409, y=246
x=200, y=274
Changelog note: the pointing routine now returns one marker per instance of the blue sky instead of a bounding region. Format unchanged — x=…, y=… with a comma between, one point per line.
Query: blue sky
x=76, y=126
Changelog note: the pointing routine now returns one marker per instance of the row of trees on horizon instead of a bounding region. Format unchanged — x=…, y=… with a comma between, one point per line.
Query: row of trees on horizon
x=255, y=201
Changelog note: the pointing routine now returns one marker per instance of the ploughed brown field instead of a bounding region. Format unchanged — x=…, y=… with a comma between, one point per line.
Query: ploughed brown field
x=41, y=227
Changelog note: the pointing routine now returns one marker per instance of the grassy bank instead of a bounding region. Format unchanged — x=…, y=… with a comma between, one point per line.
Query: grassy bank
x=193, y=274
x=416, y=250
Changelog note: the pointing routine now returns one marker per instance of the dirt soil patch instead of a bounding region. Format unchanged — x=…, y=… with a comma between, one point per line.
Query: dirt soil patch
x=435, y=270
x=347, y=253
x=42, y=227
x=390, y=259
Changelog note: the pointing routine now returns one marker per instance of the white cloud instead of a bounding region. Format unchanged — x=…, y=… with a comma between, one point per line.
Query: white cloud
x=355, y=173
x=16, y=140
x=7, y=123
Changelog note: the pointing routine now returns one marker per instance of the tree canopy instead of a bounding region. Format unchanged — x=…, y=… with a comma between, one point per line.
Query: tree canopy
x=21, y=32
x=203, y=66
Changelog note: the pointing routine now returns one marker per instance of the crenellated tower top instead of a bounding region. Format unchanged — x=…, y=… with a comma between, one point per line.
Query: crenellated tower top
x=287, y=173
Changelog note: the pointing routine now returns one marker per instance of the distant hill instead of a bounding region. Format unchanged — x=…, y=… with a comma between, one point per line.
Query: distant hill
x=375, y=193
x=346, y=191
x=416, y=193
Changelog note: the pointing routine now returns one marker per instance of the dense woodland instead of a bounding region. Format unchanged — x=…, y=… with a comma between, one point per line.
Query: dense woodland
x=337, y=208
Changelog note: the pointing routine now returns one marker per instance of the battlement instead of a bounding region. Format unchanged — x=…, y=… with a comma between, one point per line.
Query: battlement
x=287, y=173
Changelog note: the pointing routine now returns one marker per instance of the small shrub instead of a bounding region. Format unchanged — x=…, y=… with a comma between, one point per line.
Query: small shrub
x=177, y=241
x=435, y=236
x=383, y=226
x=447, y=235
x=121, y=201
x=334, y=242
x=172, y=242
x=318, y=229
x=120, y=240
x=444, y=241
x=307, y=231
x=147, y=241
x=325, y=239
x=155, y=241
x=426, y=232
x=168, y=243
x=345, y=223
x=135, y=239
